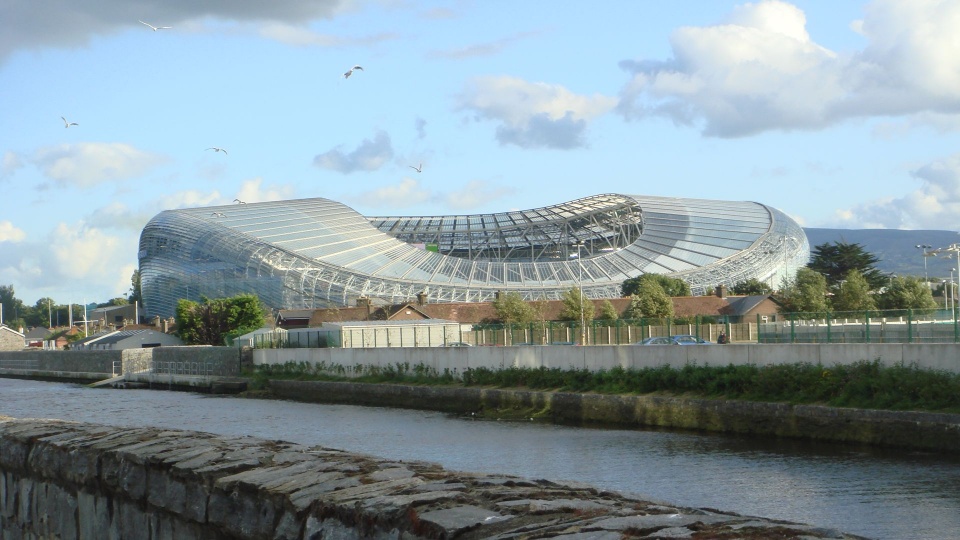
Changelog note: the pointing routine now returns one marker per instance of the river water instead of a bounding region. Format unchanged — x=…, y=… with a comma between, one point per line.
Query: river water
x=882, y=494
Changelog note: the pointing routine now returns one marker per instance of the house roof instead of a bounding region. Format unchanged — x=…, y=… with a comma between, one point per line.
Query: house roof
x=6, y=328
x=744, y=304
x=37, y=333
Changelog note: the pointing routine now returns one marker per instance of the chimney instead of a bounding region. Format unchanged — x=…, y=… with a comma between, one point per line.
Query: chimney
x=421, y=299
x=721, y=291
x=156, y=321
x=166, y=326
x=363, y=301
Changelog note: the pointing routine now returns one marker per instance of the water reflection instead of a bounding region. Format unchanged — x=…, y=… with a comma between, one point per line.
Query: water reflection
x=871, y=492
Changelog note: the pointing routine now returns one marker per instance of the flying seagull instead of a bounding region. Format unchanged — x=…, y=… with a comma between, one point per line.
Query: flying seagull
x=417, y=168
x=350, y=71
x=215, y=149
x=68, y=124
x=238, y=201
x=155, y=28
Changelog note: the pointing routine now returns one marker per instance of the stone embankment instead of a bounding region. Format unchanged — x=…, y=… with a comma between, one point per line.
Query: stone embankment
x=899, y=429
x=68, y=480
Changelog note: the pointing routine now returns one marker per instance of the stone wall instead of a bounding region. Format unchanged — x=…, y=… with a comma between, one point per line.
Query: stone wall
x=916, y=430
x=83, y=481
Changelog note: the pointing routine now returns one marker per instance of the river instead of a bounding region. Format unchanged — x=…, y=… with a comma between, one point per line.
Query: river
x=883, y=494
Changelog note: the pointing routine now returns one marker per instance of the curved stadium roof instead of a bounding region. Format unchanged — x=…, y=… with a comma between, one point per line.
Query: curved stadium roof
x=311, y=253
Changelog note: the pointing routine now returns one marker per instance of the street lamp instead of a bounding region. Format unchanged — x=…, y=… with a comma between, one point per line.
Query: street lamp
x=583, y=329
x=925, y=247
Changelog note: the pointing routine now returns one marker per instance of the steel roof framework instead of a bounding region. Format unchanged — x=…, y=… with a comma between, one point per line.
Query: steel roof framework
x=313, y=253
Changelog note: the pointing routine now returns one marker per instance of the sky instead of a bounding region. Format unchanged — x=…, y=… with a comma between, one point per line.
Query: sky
x=840, y=114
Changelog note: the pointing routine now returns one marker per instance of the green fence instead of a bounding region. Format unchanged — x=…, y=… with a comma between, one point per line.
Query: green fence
x=894, y=326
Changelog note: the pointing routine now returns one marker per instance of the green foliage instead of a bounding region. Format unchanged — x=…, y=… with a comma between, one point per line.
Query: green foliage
x=752, y=286
x=807, y=293
x=853, y=294
x=907, y=293
x=136, y=294
x=607, y=311
x=511, y=309
x=836, y=260
x=650, y=301
x=214, y=322
x=670, y=286
x=13, y=308
x=572, y=302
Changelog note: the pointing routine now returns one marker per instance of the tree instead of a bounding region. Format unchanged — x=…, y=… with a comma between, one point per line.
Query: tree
x=649, y=301
x=670, y=286
x=135, y=293
x=214, y=322
x=907, y=293
x=572, y=302
x=853, y=294
x=607, y=311
x=512, y=309
x=836, y=260
x=807, y=293
x=752, y=286
x=13, y=308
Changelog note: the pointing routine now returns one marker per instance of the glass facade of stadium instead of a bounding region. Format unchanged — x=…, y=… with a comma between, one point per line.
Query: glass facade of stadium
x=315, y=253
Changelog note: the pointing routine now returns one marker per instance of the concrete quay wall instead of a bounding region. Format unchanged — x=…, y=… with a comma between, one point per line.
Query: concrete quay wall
x=96, y=365
x=84, y=481
x=901, y=429
x=937, y=356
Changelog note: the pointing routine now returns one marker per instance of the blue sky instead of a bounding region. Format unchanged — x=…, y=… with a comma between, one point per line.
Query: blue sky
x=841, y=114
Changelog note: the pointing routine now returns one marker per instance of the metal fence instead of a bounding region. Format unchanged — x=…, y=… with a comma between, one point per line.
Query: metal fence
x=893, y=326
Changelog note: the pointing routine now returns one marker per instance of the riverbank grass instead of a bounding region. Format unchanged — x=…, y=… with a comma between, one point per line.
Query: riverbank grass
x=862, y=385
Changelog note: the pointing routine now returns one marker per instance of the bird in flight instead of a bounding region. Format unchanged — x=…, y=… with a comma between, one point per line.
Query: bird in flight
x=238, y=201
x=350, y=71
x=68, y=124
x=215, y=149
x=218, y=214
x=155, y=28
x=418, y=168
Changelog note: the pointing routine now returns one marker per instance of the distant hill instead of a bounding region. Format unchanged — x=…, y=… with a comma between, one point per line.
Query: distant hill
x=896, y=249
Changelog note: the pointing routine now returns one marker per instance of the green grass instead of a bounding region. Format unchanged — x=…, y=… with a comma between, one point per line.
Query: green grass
x=864, y=385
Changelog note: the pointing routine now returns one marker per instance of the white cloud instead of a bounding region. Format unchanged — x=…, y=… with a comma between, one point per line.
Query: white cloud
x=118, y=216
x=761, y=70
x=55, y=23
x=10, y=233
x=407, y=193
x=253, y=191
x=489, y=48
x=190, y=199
x=475, y=194
x=88, y=164
x=370, y=155
x=11, y=162
x=935, y=205
x=533, y=115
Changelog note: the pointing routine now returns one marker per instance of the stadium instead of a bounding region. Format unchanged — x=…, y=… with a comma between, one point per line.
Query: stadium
x=317, y=253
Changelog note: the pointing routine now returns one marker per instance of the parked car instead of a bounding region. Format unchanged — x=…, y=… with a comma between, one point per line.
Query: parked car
x=682, y=339
x=457, y=344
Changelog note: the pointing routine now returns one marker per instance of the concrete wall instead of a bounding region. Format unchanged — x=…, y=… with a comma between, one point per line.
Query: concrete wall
x=940, y=356
x=101, y=364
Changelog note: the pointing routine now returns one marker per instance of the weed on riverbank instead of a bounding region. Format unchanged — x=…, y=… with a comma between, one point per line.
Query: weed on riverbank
x=863, y=385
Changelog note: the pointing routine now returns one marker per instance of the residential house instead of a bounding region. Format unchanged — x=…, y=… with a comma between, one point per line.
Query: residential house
x=35, y=337
x=127, y=339
x=733, y=309
x=10, y=339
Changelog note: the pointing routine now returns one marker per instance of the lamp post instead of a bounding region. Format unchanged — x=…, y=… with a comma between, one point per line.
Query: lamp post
x=583, y=329
x=924, y=247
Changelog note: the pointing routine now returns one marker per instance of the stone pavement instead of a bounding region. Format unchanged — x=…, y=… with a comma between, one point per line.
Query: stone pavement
x=72, y=480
